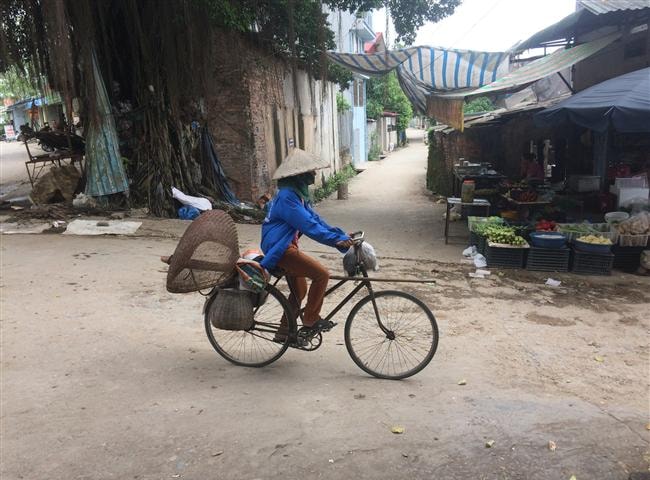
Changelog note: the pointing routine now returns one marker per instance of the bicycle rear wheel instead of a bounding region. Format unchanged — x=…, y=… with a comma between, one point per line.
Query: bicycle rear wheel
x=407, y=346
x=262, y=344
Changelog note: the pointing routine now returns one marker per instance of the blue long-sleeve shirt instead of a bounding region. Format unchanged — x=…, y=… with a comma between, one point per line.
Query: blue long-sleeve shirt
x=287, y=216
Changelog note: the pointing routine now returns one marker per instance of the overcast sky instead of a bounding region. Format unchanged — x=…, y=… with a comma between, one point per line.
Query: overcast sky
x=486, y=25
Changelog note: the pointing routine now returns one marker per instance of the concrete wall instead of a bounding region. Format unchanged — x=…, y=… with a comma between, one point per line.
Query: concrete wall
x=258, y=106
x=347, y=41
x=616, y=59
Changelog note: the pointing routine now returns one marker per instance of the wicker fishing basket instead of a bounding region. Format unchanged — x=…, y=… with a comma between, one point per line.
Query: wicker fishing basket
x=206, y=254
x=231, y=309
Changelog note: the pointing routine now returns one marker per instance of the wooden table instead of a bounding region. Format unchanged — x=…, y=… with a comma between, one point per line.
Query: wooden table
x=478, y=202
x=523, y=206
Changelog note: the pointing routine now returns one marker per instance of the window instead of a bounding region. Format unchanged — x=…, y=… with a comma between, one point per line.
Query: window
x=358, y=93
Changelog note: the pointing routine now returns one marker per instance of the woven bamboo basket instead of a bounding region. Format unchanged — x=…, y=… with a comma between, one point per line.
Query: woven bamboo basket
x=205, y=255
x=231, y=309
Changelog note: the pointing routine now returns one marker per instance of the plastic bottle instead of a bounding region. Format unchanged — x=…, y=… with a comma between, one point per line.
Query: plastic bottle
x=467, y=191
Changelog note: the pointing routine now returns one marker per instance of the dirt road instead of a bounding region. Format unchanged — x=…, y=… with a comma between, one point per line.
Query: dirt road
x=105, y=375
x=390, y=203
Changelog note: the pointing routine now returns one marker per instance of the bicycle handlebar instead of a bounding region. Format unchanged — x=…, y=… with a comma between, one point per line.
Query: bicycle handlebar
x=357, y=237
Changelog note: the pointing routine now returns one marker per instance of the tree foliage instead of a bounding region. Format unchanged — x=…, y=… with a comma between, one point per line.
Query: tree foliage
x=407, y=15
x=157, y=53
x=17, y=83
x=385, y=94
x=480, y=104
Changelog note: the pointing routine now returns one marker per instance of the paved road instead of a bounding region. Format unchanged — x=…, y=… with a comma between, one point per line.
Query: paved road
x=13, y=175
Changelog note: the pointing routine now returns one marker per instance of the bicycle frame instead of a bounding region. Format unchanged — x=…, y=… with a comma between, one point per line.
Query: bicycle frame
x=363, y=283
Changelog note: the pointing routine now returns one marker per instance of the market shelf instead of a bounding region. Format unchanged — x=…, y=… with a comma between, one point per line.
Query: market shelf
x=505, y=257
x=591, y=263
x=627, y=259
x=548, y=259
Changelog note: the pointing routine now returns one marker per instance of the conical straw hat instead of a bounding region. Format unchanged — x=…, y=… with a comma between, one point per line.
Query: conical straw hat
x=298, y=161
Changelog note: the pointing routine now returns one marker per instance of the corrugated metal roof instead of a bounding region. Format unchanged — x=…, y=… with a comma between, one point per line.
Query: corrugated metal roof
x=500, y=115
x=540, y=68
x=595, y=14
x=605, y=6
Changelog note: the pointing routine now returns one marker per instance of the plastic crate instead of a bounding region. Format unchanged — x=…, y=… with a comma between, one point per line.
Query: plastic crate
x=548, y=259
x=603, y=229
x=632, y=240
x=482, y=244
x=584, y=183
x=505, y=257
x=591, y=263
x=472, y=221
x=474, y=239
x=627, y=259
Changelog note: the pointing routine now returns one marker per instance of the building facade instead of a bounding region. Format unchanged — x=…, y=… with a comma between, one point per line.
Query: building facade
x=352, y=32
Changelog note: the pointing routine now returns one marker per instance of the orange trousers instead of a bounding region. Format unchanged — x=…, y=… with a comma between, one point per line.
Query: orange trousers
x=298, y=268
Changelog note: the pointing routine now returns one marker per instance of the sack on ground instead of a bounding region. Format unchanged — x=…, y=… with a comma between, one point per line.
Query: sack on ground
x=367, y=256
x=231, y=309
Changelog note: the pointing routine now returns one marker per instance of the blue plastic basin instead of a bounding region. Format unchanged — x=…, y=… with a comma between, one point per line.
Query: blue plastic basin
x=591, y=247
x=547, y=239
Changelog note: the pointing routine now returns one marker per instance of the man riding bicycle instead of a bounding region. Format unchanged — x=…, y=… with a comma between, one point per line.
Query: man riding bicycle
x=290, y=215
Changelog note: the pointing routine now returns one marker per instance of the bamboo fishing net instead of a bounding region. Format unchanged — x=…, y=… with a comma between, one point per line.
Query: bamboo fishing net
x=205, y=255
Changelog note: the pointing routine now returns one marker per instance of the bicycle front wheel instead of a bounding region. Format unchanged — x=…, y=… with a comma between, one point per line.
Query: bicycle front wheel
x=404, y=347
x=265, y=342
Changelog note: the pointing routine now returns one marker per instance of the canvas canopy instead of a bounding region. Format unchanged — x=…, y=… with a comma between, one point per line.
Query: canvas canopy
x=622, y=102
x=425, y=70
x=447, y=107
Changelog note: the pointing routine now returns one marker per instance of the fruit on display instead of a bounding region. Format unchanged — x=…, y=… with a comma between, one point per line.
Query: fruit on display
x=503, y=235
x=545, y=226
x=578, y=228
x=595, y=240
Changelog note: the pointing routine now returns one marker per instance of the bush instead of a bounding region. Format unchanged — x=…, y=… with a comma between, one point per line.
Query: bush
x=342, y=105
x=479, y=105
x=331, y=184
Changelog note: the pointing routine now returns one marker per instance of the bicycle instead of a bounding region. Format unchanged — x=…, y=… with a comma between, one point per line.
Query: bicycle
x=389, y=334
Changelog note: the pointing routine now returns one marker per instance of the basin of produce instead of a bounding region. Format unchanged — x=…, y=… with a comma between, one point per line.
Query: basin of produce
x=547, y=239
x=593, y=244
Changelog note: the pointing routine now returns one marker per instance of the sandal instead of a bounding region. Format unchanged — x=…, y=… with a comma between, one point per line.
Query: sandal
x=321, y=325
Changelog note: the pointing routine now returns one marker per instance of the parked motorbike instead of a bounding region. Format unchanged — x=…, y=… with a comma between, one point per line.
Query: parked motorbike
x=51, y=141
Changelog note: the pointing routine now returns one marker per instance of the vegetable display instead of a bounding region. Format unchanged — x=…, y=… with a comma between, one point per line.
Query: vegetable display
x=503, y=235
x=545, y=226
x=595, y=240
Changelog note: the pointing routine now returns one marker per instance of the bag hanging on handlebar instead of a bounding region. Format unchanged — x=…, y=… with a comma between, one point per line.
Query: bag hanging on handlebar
x=367, y=257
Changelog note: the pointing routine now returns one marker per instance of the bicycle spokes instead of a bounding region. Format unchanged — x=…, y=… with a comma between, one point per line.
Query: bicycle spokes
x=401, y=345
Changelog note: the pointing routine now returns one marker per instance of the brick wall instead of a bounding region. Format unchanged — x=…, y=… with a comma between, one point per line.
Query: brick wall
x=257, y=105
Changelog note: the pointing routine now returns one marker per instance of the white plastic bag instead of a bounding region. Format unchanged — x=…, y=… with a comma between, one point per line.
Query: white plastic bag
x=367, y=256
x=196, y=202
x=480, y=261
x=470, y=251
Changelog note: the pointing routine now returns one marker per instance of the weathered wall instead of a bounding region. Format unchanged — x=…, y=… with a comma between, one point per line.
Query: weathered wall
x=503, y=146
x=630, y=53
x=258, y=106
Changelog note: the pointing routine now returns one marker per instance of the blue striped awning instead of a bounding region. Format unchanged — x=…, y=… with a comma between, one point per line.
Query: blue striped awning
x=426, y=70
x=437, y=68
